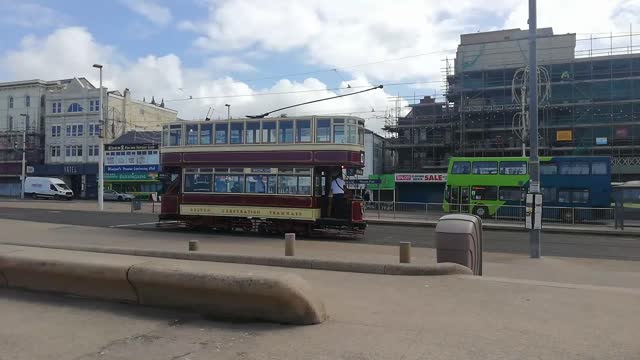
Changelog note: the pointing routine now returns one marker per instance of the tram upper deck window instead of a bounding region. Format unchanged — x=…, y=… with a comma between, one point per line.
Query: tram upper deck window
x=303, y=131
x=205, y=134
x=252, y=134
x=237, y=128
x=268, y=132
x=286, y=131
x=165, y=135
x=175, y=135
x=323, y=130
x=338, y=131
x=221, y=133
x=352, y=134
x=192, y=134
x=361, y=132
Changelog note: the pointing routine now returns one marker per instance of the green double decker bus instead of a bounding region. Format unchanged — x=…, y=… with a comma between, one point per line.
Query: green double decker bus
x=485, y=186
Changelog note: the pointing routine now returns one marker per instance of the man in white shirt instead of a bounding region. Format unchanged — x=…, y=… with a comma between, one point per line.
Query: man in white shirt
x=337, y=189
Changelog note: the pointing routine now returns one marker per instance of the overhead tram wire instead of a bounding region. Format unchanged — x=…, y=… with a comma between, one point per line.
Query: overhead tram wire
x=313, y=101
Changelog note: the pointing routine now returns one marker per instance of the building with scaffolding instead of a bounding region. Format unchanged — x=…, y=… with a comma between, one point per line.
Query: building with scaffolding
x=589, y=102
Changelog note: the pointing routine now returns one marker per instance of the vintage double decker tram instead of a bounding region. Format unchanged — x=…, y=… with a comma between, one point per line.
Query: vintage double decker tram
x=271, y=175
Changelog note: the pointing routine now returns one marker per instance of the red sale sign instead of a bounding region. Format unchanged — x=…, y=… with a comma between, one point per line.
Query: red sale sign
x=421, y=178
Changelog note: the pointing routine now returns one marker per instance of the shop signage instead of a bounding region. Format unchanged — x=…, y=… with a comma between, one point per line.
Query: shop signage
x=564, y=135
x=421, y=178
x=152, y=176
x=131, y=168
x=140, y=154
x=601, y=141
x=131, y=147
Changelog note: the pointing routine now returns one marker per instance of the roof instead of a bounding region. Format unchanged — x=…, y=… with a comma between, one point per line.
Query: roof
x=138, y=137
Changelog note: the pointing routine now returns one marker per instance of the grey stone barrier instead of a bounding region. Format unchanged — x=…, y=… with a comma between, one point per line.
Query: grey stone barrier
x=279, y=261
x=280, y=298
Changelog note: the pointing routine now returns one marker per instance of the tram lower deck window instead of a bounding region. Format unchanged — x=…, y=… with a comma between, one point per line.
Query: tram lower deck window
x=261, y=184
x=229, y=183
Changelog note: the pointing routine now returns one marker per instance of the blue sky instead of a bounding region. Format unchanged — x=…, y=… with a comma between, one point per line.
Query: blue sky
x=210, y=49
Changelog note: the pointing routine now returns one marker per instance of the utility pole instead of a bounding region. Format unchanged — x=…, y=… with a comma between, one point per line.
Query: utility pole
x=534, y=163
x=101, y=147
x=228, y=111
x=24, y=155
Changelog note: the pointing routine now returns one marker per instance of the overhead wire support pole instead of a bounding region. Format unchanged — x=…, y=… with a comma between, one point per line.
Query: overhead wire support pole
x=534, y=163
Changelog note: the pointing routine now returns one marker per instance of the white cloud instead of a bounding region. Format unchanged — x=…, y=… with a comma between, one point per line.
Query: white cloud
x=229, y=64
x=29, y=15
x=70, y=52
x=157, y=14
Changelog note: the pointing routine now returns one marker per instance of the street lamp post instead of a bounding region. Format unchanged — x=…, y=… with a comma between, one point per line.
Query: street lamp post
x=228, y=111
x=101, y=147
x=24, y=155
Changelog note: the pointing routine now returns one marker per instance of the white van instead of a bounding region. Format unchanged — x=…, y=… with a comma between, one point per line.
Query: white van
x=47, y=188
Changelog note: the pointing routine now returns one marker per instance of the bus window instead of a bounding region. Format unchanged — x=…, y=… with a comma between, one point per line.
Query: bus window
x=485, y=167
x=549, y=194
x=252, y=134
x=205, y=134
x=574, y=168
x=461, y=167
x=192, y=134
x=599, y=168
x=286, y=131
x=511, y=194
x=303, y=131
x=580, y=196
x=484, y=193
x=548, y=169
x=323, y=130
x=221, y=133
x=513, y=168
x=236, y=132
x=269, y=132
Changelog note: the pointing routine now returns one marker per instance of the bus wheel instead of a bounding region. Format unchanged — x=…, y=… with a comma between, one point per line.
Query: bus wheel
x=567, y=216
x=34, y=196
x=481, y=211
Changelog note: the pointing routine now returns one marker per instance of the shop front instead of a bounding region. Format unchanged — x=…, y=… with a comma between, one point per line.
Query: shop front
x=133, y=169
x=81, y=178
x=420, y=187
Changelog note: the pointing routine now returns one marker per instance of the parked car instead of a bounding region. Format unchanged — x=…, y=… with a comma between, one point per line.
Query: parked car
x=116, y=196
x=46, y=187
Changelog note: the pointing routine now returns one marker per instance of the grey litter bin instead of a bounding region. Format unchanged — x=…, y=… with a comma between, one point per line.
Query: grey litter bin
x=459, y=240
x=136, y=205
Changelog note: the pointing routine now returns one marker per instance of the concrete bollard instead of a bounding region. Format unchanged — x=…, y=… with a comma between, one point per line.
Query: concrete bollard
x=289, y=244
x=405, y=252
x=193, y=245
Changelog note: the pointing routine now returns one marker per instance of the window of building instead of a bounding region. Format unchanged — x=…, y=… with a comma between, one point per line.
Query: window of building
x=574, y=168
x=461, y=167
x=175, y=135
x=27, y=101
x=484, y=192
x=549, y=194
x=192, y=134
x=205, y=134
x=55, y=151
x=323, y=130
x=303, y=131
x=252, y=133
x=269, y=132
x=513, y=168
x=59, y=107
x=94, y=130
x=198, y=182
x=485, y=167
x=599, y=168
x=511, y=194
x=68, y=130
x=94, y=105
x=80, y=130
x=261, y=184
x=55, y=131
x=73, y=150
x=94, y=150
x=75, y=107
x=10, y=123
x=237, y=128
x=222, y=132
x=10, y=102
x=548, y=169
